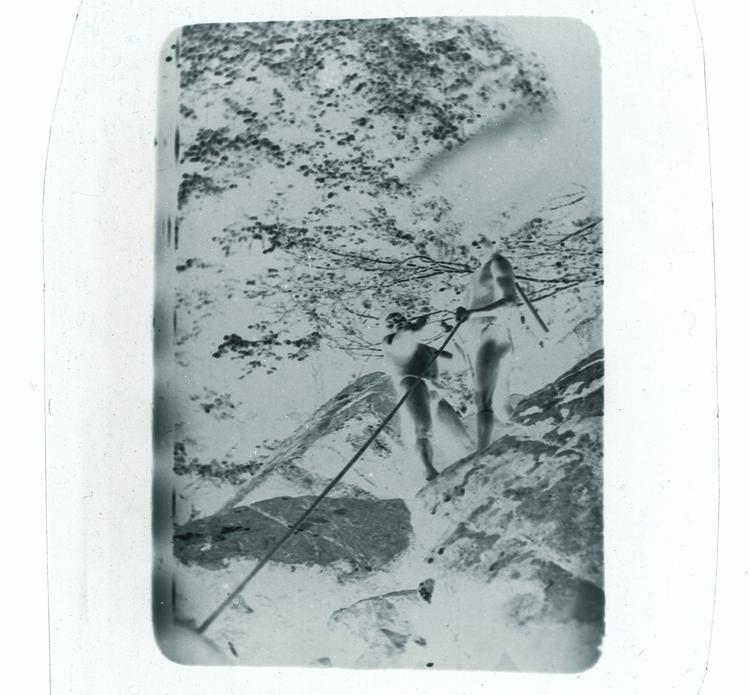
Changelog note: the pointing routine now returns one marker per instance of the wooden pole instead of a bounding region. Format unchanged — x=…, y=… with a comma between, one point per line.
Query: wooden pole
x=528, y=303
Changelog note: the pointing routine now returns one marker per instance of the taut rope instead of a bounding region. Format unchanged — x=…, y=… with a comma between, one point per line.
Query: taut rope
x=220, y=608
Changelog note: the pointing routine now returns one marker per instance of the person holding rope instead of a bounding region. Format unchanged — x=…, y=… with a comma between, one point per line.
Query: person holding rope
x=491, y=298
x=499, y=268
x=414, y=370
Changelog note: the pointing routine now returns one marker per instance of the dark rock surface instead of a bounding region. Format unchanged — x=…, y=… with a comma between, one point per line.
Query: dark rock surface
x=530, y=506
x=520, y=555
x=364, y=534
x=496, y=564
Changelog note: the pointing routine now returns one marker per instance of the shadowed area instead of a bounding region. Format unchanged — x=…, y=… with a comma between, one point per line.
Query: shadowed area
x=366, y=534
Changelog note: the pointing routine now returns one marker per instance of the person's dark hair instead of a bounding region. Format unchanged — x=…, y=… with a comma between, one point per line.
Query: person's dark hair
x=395, y=320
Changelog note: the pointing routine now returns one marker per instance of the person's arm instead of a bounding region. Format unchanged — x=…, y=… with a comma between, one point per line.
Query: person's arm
x=489, y=308
x=440, y=353
x=462, y=313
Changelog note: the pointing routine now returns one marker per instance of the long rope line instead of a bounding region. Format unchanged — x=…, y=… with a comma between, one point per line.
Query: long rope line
x=295, y=526
x=222, y=606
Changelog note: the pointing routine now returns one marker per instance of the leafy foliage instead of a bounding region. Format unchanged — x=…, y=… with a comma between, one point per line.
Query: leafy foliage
x=324, y=124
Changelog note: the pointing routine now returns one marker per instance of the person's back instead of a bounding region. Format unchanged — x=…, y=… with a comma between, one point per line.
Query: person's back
x=409, y=357
x=492, y=281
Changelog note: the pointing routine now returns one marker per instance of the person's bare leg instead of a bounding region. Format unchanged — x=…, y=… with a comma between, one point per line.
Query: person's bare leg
x=418, y=406
x=452, y=422
x=487, y=369
x=424, y=447
x=501, y=398
x=485, y=424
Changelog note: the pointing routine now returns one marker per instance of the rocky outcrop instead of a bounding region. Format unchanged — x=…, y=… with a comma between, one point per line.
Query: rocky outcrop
x=356, y=409
x=355, y=536
x=530, y=506
x=521, y=538
x=511, y=540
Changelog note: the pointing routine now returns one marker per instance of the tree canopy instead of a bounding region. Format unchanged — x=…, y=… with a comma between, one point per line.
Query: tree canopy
x=324, y=125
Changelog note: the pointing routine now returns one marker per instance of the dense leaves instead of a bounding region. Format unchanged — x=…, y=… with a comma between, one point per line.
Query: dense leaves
x=324, y=125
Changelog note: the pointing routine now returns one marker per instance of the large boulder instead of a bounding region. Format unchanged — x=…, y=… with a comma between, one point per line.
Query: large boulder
x=529, y=508
x=358, y=536
x=511, y=540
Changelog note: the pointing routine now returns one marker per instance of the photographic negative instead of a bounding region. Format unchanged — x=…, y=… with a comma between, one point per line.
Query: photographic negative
x=379, y=359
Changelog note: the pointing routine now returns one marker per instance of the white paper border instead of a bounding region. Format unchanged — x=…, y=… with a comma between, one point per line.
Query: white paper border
x=660, y=434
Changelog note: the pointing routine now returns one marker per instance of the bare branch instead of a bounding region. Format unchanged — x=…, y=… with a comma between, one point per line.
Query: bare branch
x=537, y=297
x=357, y=313
x=531, y=279
x=564, y=205
x=587, y=228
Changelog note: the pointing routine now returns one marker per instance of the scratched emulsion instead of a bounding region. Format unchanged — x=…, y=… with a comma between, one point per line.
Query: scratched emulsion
x=313, y=178
x=164, y=328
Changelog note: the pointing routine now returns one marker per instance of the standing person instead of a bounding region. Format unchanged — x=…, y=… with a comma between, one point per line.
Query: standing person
x=408, y=359
x=491, y=298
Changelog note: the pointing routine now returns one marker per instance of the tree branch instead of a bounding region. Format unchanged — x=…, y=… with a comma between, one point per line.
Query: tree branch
x=357, y=313
x=531, y=279
x=580, y=231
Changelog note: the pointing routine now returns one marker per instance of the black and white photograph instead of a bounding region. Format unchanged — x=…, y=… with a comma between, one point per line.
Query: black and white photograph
x=379, y=363
x=383, y=255
x=324, y=294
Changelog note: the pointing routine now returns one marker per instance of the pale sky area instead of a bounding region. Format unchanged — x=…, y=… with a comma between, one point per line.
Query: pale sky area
x=523, y=165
